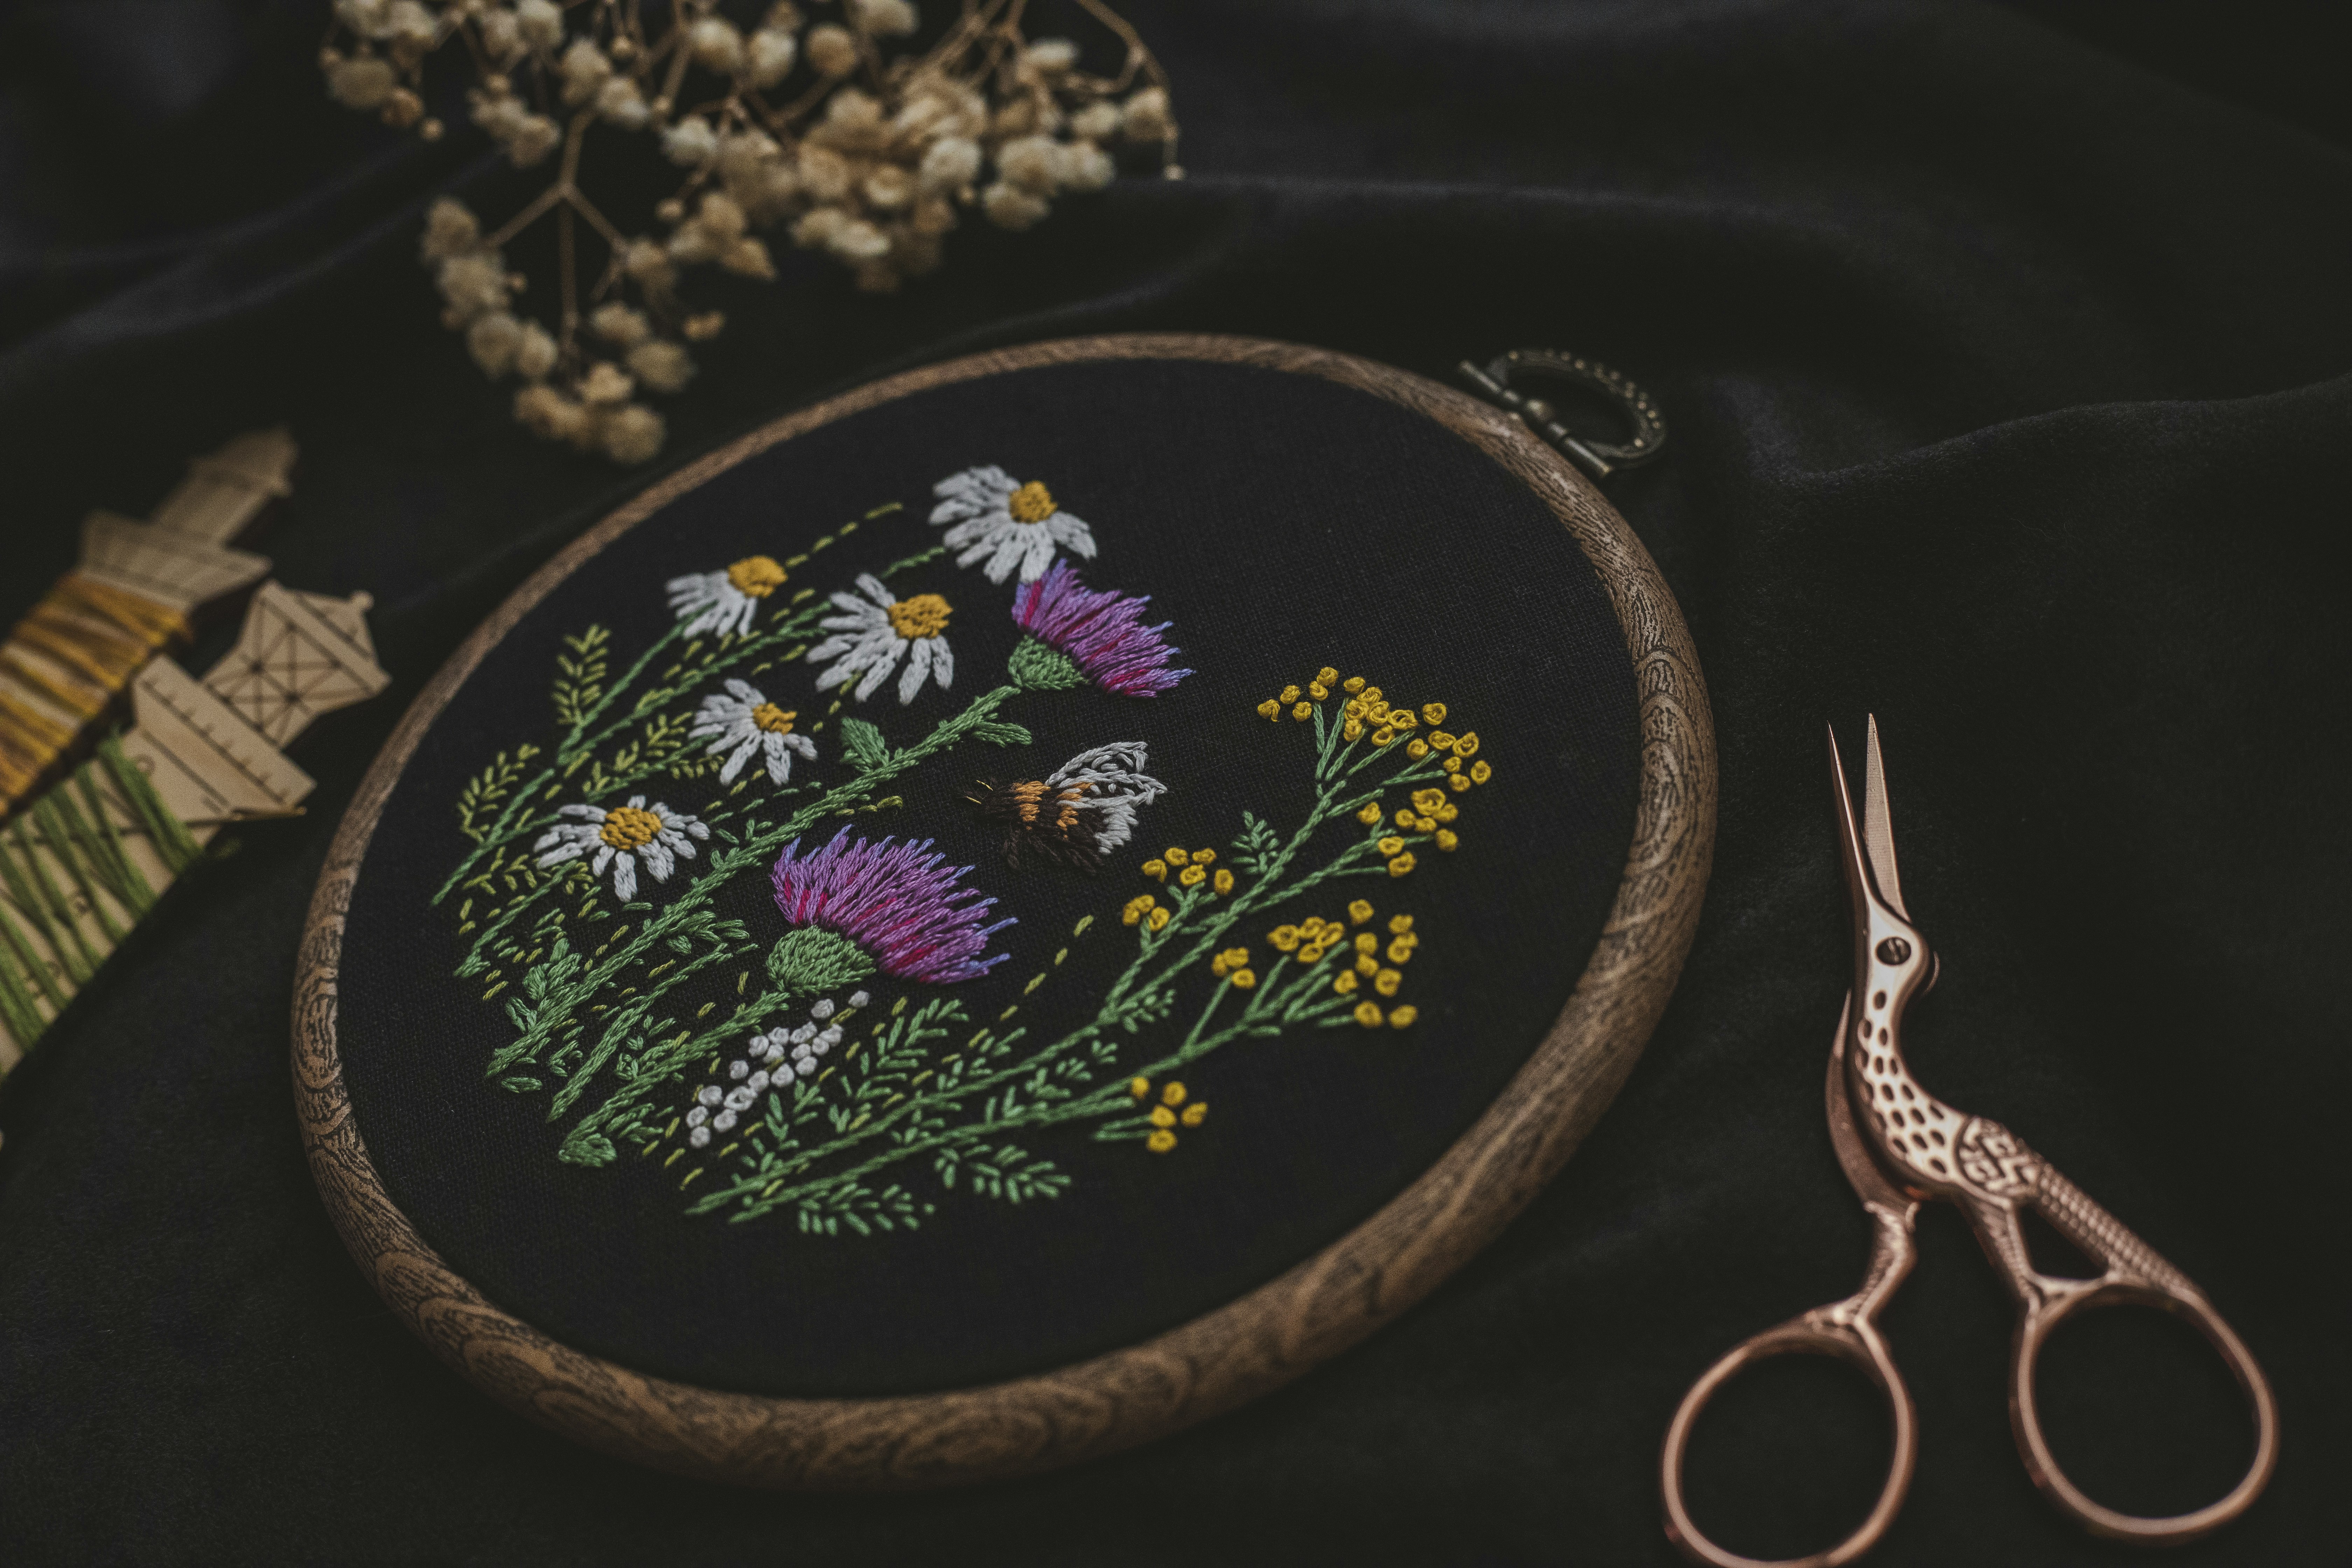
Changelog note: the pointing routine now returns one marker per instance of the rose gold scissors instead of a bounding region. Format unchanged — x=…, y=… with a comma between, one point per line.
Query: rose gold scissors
x=1899, y=1144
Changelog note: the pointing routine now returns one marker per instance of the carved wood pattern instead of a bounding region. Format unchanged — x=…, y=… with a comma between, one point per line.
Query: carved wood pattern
x=1222, y=1359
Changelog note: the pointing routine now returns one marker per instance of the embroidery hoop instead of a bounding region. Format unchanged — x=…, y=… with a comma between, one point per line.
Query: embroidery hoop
x=1316, y=1308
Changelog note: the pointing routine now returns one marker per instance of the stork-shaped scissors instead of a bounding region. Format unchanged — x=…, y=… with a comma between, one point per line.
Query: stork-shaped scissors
x=1899, y=1144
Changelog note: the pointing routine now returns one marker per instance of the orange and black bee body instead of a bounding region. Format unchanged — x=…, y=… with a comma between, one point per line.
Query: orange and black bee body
x=1054, y=823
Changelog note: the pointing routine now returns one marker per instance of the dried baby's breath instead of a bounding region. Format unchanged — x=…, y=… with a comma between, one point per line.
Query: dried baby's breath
x=836, y=137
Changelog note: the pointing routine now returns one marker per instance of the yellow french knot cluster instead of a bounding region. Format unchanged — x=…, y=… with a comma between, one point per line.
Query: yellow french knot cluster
x=1165, y=1116
x=1311, y=939
x=1189, y=868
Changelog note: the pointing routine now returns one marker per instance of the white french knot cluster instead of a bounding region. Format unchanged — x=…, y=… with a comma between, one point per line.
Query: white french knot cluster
x=864, y=157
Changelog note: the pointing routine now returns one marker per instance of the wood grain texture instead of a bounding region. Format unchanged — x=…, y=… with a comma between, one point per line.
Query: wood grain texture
x=1220, y=1360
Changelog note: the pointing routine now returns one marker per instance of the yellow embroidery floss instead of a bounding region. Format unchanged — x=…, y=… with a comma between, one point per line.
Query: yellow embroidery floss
x=1244, y=979
x=1387, y=980
x=1285, y=938
x=1392, y=844
x=1289, y=695
x=1157, y=919
x=1346, y=983
x=1327, y=675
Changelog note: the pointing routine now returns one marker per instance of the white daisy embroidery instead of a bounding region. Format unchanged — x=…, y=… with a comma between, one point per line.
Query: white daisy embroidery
x=722, y=602
x=1009, y=522
x=740, y=721
x=869, y=638
x=620, y=838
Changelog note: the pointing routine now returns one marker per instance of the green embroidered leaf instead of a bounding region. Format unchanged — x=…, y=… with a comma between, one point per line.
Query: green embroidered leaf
x=863, y=744
x=998, y=733
x=521, y=1084
x=590, y=1149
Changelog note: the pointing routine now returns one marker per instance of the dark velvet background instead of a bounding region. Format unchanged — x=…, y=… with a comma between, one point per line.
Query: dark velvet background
x=2006, y=352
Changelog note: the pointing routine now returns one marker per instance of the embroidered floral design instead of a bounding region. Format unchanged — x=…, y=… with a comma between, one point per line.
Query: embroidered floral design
x=1011, y=523
x=857, y=906
x=1082, y=807
x=873, y=634
x=741, y=722
x=723, y=602
x=1083, y=634
x=707, y=1042
x=620, y=837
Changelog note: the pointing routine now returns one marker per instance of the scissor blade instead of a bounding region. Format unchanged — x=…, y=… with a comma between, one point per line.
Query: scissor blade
x=1878, y=826
x=1861, y=1171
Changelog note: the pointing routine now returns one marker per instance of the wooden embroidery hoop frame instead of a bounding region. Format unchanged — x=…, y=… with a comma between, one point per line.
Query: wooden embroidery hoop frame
x=1315, y=1310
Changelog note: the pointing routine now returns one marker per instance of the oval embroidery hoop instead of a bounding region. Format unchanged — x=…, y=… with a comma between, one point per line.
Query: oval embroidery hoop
x=1266, y=1335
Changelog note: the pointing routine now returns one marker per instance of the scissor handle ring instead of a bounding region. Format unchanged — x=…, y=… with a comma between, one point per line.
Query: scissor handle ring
x=1818, y=1333
x=2034, y=1330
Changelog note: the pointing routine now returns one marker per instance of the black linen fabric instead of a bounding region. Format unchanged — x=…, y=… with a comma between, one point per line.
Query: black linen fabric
x=2006, y=354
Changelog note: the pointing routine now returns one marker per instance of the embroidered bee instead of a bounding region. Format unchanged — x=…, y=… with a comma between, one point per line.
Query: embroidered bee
x=1070, y=817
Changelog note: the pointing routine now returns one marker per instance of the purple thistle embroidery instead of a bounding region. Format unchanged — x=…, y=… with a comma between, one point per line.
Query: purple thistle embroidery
x=901, y=907
x=1100, y=633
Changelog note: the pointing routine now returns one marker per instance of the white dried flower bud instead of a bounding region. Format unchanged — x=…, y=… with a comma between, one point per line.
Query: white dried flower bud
x=1010, y=206
x=622, y=324
x=952, y=164
x=493, y=340
x=1086, y=167
x=743, y=153
x=664, y=367
x=816, y=228
x=1050, y=58
x=1146, y=116
x=499, y=115
x=853, y=122
x=932, y=216
x=690, y=245
x=889, y=187
x=501, y=33
x=883, y=18
x=1095, y=121
x=831, y=50
x=606, y=382
x=648, y=265
x=473, y=284
x=772, y=53
x=411, y=24
x=585, y=69
x=858, y=240
x=824, y=174
x=716, y=45
x=537, y=353
x=547, y=411
x=362, y=84
x=1032, y=163
x=690, y=143
x=720, y=217
x=631, y=435
x=368, y=18
x=749, y=258
x=450, y=229
x=876, y=277
x=541, y=23
x=534, y=139
x=618, y=102
x=769, y=193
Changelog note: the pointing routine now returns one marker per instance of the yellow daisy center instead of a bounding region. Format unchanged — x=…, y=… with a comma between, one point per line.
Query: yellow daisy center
x=775, y=720
x=629, y=827
x=1032, y=503
x=756, y=577
x=924, y=615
